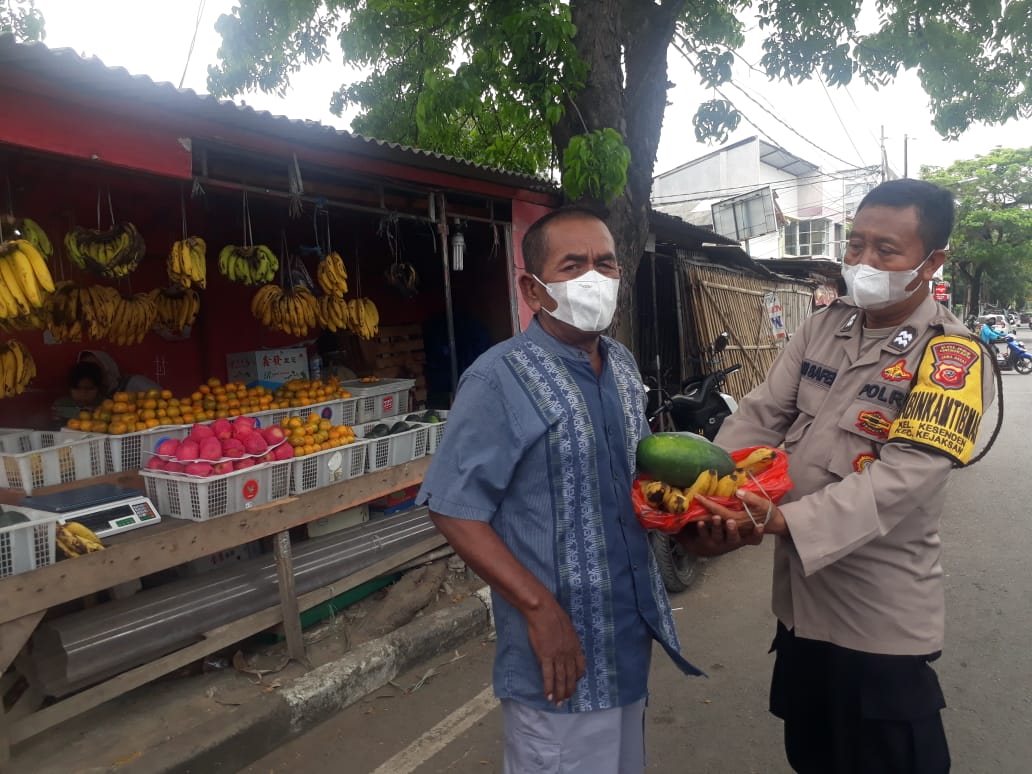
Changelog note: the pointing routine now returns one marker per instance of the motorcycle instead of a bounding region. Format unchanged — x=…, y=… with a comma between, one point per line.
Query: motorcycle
x=1016, y=358
x=700, y=408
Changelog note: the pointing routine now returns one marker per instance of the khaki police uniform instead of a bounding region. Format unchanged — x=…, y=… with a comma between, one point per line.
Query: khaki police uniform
x=861, y=569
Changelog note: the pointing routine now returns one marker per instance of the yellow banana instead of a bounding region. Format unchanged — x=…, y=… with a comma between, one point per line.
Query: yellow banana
x=655, y=492
x=9, y=276
x=38, y=264
x=758, y=461
x=676, y=501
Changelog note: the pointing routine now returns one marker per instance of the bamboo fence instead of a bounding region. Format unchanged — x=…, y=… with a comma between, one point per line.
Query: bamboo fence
x=723, y=300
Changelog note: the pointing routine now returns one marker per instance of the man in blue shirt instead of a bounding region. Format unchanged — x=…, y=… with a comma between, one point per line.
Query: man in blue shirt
x=531, y=486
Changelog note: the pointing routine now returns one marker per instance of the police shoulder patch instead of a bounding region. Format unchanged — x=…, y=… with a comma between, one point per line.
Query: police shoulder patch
x=944, y=409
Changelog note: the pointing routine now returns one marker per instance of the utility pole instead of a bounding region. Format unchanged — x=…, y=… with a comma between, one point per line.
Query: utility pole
x=884, y=160
x=905, y=139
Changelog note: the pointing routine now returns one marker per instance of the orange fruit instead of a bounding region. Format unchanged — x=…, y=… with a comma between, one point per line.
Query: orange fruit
x=151, y=423
x=118, y=428
x=121, y=397
x=74, y=424
x=166, y=394
x=197, y=397
x=85, y=416
x=213, y=382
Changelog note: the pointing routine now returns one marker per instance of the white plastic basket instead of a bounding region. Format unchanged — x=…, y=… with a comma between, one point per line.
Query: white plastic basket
x=382, y=398
x=35, y=459
x=130, y=451
x=268, y=418
x=341, y=411
x=436, y=431
x=27, y=546
x=200, y=499
x=314, y=471
x=396, y=449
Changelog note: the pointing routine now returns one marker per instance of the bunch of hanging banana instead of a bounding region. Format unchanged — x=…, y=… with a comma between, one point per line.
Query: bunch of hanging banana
x=36, y=320
x=25, y=279
x=74, y=539
x=332, y=312
x=332, y=276
x=291, y=311
x=74, y=311
x=111, y=253
x=30, y=231
x=177, y=308
x=708, y=484
x=186, y=263
x=363, y=317
x=17, y=368
x=132, y=318
x=248, y=265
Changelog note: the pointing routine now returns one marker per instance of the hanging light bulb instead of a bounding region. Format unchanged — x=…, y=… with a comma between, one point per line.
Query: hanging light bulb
x=458, y=248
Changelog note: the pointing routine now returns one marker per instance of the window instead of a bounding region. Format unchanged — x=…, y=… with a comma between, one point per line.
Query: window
x=806, y=237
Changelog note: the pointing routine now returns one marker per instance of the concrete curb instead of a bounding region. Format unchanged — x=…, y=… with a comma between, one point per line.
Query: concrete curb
x=260, y=727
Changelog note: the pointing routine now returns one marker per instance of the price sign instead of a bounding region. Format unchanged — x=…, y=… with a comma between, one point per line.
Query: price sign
x=941, y=291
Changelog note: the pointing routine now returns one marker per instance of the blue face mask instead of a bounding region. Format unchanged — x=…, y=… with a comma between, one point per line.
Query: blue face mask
x=874, y=289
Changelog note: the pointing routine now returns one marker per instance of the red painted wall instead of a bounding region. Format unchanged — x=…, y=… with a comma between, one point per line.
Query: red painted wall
x=524, y=214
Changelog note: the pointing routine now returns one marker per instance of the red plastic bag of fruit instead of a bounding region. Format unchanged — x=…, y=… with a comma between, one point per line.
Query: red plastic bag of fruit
x=772, y=483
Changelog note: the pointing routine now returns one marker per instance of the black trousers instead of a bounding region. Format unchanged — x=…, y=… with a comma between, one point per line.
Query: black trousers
x=849, y=712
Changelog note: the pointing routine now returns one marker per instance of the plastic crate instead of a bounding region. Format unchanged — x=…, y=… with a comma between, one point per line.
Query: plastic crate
x=395, y=449
x=379, y=399
x=27, y=546
x=268, y=418
x=130, y=451
x=436, y=431
x=35, y=459
x=314, y=471
x=200, y=499
x=340, y=411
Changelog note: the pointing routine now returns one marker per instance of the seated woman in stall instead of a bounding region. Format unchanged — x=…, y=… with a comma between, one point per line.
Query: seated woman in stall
x=85, y=393
x=113, y=378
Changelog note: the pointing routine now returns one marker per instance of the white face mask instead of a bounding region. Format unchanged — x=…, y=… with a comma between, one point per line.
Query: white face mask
x=874, y=289
x=588, y=303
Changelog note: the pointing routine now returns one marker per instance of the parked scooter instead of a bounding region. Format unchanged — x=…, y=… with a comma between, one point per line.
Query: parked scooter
x=1016, y=358
x=700, y=408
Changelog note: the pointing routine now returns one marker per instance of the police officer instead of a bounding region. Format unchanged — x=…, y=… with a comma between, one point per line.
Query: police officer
x=876, y=399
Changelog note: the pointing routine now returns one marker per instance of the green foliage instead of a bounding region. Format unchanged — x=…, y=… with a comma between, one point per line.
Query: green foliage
x=483, y=81
x=22, y=19
x=993, y=235
x=595, y=165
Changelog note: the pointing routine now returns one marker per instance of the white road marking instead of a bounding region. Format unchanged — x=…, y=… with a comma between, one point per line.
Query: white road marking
x=441, y=735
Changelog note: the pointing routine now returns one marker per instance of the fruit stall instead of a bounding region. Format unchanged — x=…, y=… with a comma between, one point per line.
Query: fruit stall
x=278, y=312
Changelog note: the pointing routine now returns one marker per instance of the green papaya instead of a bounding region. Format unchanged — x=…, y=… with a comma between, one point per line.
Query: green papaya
x=399, y=427
x=431, y=417
x=678, y=458
x=378, y=431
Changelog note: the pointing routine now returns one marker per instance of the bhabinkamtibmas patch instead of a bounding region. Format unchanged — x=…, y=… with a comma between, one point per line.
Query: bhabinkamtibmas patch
x=944, y=408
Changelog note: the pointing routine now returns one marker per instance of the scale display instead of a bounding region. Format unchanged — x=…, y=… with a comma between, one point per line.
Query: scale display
x=100, y=512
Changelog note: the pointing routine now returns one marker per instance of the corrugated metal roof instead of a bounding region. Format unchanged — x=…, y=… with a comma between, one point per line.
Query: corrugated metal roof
x=678, y=228
x=68, y=70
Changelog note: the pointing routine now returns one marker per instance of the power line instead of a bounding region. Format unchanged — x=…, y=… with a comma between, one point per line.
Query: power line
x=842, y=123
x=193, y=40
x=749, y=97
x=775, y=185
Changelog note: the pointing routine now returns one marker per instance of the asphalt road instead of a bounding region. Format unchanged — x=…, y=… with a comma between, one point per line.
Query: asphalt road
x=720, y=725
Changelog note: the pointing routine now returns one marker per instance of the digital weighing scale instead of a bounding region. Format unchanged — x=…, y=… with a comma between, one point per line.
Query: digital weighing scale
x=104, y=508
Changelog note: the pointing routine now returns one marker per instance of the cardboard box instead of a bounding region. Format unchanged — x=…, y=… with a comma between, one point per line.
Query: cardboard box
x=269, y=367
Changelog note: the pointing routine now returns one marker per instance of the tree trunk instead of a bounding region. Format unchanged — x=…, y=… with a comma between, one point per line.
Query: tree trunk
x=976, y=288
x=614, y=36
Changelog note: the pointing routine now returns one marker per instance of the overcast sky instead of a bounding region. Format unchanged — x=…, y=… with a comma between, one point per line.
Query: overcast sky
x=152, y=37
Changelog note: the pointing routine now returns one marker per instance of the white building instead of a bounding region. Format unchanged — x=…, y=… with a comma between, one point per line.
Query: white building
x=808, y=208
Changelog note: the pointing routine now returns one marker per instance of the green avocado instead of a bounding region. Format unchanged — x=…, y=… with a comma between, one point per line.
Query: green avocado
x=678, y=458
x=10, y=518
